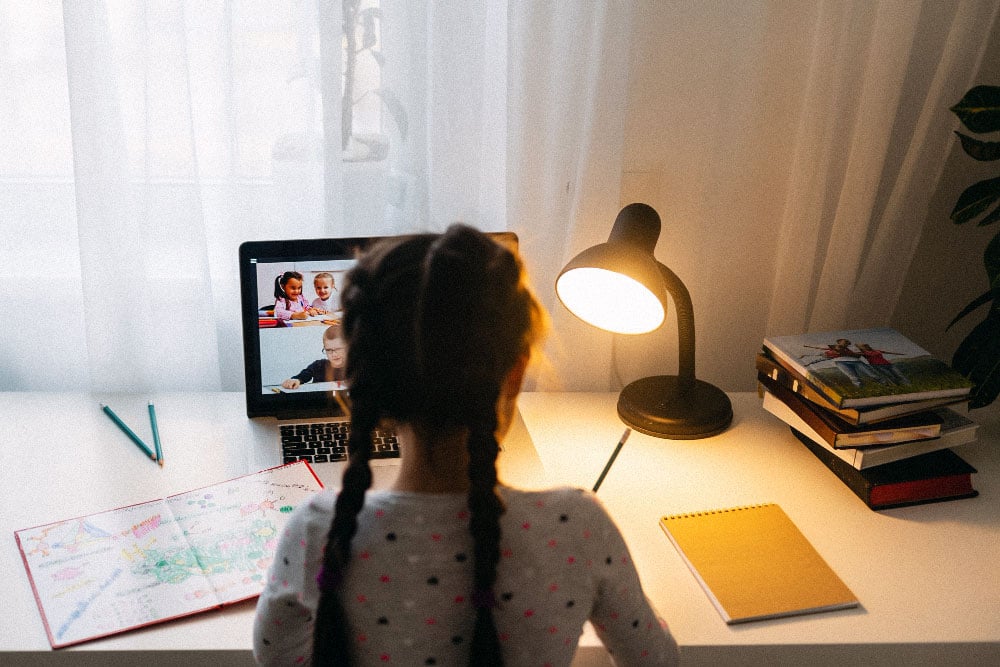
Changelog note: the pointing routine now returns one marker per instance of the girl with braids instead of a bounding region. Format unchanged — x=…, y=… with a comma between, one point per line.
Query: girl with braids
x=448, y=567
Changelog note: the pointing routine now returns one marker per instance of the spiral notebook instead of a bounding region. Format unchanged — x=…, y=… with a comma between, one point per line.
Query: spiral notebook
x=755, y=564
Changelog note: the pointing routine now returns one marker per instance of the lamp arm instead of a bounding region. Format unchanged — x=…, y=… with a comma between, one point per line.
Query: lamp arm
x=685, y=328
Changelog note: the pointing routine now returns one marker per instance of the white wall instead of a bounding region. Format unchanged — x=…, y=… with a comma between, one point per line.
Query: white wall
x=717, y=171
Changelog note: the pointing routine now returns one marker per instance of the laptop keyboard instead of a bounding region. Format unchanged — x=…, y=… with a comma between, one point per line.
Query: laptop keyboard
x=326, y=442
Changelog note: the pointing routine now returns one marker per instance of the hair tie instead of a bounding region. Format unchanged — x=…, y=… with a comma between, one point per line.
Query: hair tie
x=484, y=599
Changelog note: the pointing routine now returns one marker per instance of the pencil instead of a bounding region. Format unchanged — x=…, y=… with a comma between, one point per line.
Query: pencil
x=156, y=434
x=614, y=455
x=127, y=431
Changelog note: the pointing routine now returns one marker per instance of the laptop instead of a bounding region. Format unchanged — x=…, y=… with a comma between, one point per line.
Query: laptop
x=276, y=350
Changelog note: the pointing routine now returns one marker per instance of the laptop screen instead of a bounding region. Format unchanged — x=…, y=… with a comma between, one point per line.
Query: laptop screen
x=290, y=307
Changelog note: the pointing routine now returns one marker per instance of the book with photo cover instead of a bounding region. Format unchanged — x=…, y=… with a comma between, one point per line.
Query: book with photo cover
x=789, y=379
x=867, y=367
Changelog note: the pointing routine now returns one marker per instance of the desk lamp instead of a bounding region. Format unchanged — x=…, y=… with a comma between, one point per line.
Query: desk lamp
x=619, y=286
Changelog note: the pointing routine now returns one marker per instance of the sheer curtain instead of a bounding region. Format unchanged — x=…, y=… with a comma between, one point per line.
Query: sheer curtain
x=143, y=141
x=789, y=148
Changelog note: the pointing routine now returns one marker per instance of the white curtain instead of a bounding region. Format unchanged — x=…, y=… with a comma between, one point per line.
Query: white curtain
x=143, y=141
x=790, y=149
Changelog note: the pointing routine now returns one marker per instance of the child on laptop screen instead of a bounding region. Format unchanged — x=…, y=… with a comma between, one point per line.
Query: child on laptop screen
x=448, y=566
x=329, y=369
x=326, y=300
x=289, y=304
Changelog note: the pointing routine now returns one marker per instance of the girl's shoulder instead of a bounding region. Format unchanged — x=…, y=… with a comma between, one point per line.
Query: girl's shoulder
x=560, y=498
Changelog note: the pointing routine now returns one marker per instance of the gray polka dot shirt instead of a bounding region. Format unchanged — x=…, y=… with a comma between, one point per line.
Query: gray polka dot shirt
x=408, y=586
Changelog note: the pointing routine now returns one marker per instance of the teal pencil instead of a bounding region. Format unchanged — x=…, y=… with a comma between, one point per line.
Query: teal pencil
x=127, y=431
x=156, y=434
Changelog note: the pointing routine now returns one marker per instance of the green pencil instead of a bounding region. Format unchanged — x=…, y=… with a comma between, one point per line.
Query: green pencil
x=127, y=431
x=156, y=434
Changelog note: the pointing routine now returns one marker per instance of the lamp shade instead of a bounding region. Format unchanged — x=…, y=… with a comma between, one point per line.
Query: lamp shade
x=614, y=288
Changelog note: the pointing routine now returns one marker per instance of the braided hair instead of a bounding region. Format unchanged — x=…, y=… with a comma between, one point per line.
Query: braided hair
x=433, y=325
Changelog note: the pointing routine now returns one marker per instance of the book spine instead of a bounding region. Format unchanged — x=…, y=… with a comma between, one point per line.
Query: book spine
x=920, y=490
x=847, y=474
x=789, y=378
x=780, y=409
x=828, y=393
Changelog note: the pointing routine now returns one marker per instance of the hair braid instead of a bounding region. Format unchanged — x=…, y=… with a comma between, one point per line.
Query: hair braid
x=485, y=508
x=331, y=639
x=423, y=347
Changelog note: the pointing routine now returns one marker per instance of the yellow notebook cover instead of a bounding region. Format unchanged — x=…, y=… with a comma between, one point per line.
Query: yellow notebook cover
x=755, y=564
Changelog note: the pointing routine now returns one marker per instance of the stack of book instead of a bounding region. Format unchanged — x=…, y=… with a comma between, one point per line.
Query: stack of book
x=879, y=411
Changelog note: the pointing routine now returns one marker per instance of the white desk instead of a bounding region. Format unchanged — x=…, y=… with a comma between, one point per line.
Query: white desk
x=926, y=575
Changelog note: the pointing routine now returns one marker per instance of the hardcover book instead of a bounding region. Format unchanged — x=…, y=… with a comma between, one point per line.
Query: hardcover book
x=842, y=435
x=933, y=477
x=867, y=367
x=105, y=573
x=789, y=379
x=956, y=430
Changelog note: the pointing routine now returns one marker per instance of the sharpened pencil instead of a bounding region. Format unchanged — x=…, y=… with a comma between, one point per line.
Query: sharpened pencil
x=127, y=431
x=156, y=434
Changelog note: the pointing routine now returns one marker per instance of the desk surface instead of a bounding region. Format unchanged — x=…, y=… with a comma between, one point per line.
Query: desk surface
x=925, y=575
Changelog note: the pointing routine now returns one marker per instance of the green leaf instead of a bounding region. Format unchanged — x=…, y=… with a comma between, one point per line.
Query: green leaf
x=980, y=300
x=978, y=359
x=979, y=110
x=991, y=260
x=991, y=218
x=975, y=200
x=984, y=151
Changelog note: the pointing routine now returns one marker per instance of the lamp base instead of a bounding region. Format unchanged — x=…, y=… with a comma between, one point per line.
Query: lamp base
x=653, y=406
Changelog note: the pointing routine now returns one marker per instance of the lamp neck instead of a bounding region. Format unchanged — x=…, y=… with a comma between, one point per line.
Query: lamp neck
x=685, y=328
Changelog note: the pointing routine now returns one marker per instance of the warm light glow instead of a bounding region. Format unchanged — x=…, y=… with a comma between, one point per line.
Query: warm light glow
x=610, y=300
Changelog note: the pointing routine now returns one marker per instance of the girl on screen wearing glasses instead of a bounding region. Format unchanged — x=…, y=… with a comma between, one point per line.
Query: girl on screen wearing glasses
x=448, y=567
x=328, y=369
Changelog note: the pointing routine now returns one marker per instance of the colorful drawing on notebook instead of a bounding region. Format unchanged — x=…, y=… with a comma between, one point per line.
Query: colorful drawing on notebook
x=116, y=570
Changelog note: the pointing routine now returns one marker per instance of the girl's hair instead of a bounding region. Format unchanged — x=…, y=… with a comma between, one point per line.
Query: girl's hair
x=281, y=281
x=433, y=325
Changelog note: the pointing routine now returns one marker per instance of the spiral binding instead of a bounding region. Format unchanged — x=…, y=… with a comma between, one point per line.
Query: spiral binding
x=725, y=510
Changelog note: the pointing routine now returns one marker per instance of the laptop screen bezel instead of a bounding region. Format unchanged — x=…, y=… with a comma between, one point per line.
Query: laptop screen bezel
x=251, y=253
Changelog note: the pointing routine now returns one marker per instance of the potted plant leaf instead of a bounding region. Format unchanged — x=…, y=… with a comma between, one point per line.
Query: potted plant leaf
x=978, y=355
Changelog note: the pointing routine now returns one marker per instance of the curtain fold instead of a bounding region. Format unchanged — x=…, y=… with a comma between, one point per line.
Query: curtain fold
x=790, y=148
x=569, y=88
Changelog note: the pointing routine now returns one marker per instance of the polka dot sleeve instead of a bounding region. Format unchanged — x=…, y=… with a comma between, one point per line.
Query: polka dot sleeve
x=283, y=624
x=622, y=615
